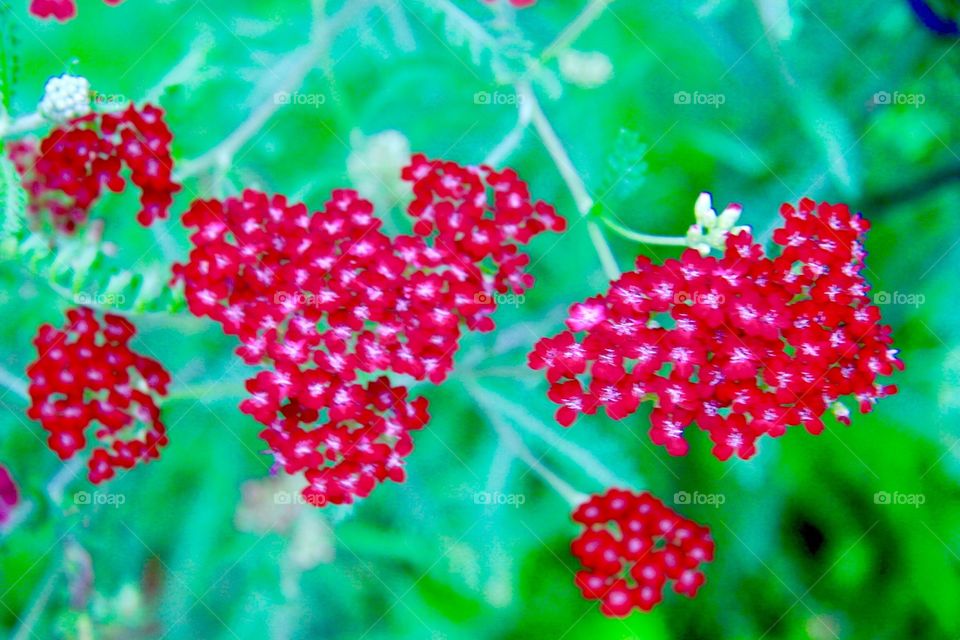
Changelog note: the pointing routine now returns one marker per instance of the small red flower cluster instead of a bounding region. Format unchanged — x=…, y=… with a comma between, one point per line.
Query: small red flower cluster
x=87, y=373
x=627, y=563
x=68, y=172
x=325, y=298
x=62, y=10
x=742, y=345
x=9, y=496
x=519, y=4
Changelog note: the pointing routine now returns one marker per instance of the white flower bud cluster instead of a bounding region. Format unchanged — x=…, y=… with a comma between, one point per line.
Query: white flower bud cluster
x=587, y=69
x=710, y=229
x=65, y=97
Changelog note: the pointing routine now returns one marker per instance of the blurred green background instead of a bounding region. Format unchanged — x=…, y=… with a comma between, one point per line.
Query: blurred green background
x=758, y=102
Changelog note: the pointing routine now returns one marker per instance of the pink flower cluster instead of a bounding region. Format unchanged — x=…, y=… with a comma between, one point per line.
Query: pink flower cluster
x=87, y=373
x=631, y=546
x=742, y=346
x=327, y=300
x=67, y=173
x=9, y=495
x=62, y=10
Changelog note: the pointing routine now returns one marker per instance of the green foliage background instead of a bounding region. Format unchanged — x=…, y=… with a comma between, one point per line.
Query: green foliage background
x=803, y=548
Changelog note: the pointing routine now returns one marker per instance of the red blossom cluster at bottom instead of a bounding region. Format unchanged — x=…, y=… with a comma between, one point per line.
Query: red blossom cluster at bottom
x=632, y=546
x=9, y=496
x=87, y=373
x=62, y=10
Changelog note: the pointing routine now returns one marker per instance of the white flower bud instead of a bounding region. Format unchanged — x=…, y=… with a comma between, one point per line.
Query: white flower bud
x=587, y=69
x=65, y=97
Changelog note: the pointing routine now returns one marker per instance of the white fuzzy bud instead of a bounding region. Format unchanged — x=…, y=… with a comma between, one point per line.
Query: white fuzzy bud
x=65, y=97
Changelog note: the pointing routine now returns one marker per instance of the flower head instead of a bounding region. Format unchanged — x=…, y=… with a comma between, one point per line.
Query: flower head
x=87, y=373
x=742, y=346
x=67, y=172
x=327, y=302
x=631, y=546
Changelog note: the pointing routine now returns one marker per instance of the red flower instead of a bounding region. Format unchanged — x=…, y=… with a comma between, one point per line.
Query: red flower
x=326, y=300
x=62, y=10
x=632, y=545
x=520, y=4
x=87, y=373
x=67, y=174
x=743, y=345
x=9, y=496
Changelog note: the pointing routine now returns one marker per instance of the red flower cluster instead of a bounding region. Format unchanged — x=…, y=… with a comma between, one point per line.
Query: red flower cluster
x=62, y=10
x=627, y=563
x=9, y=496
x=68, y=172
x=743, y=345
x=87, y=373
x=519, y=4
x=326, y=299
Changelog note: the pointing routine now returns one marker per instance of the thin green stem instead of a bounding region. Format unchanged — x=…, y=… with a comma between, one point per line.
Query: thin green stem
x=209, y=391
x=512, y=439
x=570, y=177
x=294, y=68
x=14, y=383
x=646, y=238
x=575, y=29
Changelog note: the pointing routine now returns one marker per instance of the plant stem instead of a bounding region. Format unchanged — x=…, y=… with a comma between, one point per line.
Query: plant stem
x=25, y=630
x=14, y=383
x=294, y=67
x=22, y=124
x=512, y=439
x=576, y=28
x=570, y=176
x=646, y=238
x=576, y=454
x=209, y=391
